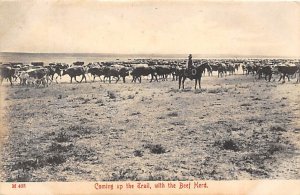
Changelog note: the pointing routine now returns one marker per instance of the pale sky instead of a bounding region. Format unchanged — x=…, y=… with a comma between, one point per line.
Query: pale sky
x=234, y=28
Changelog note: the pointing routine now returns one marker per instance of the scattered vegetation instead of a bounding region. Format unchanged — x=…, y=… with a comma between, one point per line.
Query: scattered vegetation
x=155, y=148
x=111, y=94
x=173, y=114
x=227, y=144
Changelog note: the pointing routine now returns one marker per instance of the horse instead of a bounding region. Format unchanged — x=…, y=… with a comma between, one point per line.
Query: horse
x=193, y=73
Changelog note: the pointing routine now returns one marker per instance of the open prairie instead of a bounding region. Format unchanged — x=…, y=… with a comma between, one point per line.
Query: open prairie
x=235, y=127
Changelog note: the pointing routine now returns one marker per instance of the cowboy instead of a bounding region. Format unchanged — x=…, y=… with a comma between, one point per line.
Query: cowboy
x=190, y=62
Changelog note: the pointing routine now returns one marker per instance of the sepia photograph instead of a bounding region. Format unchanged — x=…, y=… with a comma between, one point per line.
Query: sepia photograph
x=147, y=91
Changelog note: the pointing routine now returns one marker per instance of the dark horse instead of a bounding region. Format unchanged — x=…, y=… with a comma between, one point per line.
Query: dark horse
x=193, y=73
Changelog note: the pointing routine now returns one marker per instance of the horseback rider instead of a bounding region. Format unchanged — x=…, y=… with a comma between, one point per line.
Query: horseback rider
x=190, y=62
x=191, y=68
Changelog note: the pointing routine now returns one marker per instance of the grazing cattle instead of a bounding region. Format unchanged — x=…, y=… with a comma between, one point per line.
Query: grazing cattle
x=40, y=64
x=286, y=71
x=244, y=69
x=56, y=69
x=214, y=67
x=78, y=63
x=75, y=71
x=6, y=72
x=249, y=68
x=266, y=71
x=230, y=69
x=236, y=66
x=96, y=71
x=194, y=73
x=163, y=72
x=38, y=73
x=138, y=72
x=298, y=75
x=24, y=77
x=124, y=72
x=111, y=72
x=175, y=73
x=221, y=70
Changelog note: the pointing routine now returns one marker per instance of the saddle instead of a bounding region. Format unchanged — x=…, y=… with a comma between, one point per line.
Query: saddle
x=190, y=72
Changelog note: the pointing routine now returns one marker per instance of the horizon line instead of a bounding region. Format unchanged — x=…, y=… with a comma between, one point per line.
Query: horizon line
x=162, y=54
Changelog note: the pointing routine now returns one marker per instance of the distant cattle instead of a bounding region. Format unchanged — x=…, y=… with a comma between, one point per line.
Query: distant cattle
x=78, y=63
x=75, y=71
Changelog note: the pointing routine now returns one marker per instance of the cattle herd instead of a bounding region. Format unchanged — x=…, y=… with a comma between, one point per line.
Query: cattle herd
x=40, y=74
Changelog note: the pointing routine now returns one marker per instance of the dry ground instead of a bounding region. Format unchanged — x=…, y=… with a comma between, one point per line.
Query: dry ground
x=234, y=128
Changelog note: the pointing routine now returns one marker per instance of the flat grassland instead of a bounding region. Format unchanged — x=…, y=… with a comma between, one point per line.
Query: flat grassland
x=236, y=127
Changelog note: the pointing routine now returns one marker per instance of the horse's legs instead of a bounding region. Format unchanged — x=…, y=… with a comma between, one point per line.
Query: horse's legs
x=179, y=81
x=71, y=79
x=10, y=80
x=118, y=78
x=183, y=82
x=83, y=77
x=199, y=82
x=196, y=80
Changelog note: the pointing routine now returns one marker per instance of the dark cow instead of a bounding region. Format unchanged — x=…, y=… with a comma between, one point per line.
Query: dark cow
x=41, y=64
x=194, y=73
x=124, y=72
x=138, y=72
x=75, y=71
x=78, y=63
x=6, y=72
x=56, y=69
x=96, y=71
x=111, y=72
x=244, y=69
x=175, y=73
x=214, y=67
x=221, y=70
x=38, y=73
x=37, y=76
x=286, y=71
x=266, y=71
x=230, y=69
x=236, y=67
x=163, y=72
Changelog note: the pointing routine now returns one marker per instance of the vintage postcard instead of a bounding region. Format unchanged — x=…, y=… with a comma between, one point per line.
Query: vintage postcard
x=148, y=97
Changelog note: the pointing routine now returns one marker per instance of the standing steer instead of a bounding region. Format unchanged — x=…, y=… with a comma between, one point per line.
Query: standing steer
x=286, y=71
x=75, y=71
x=6, y=72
